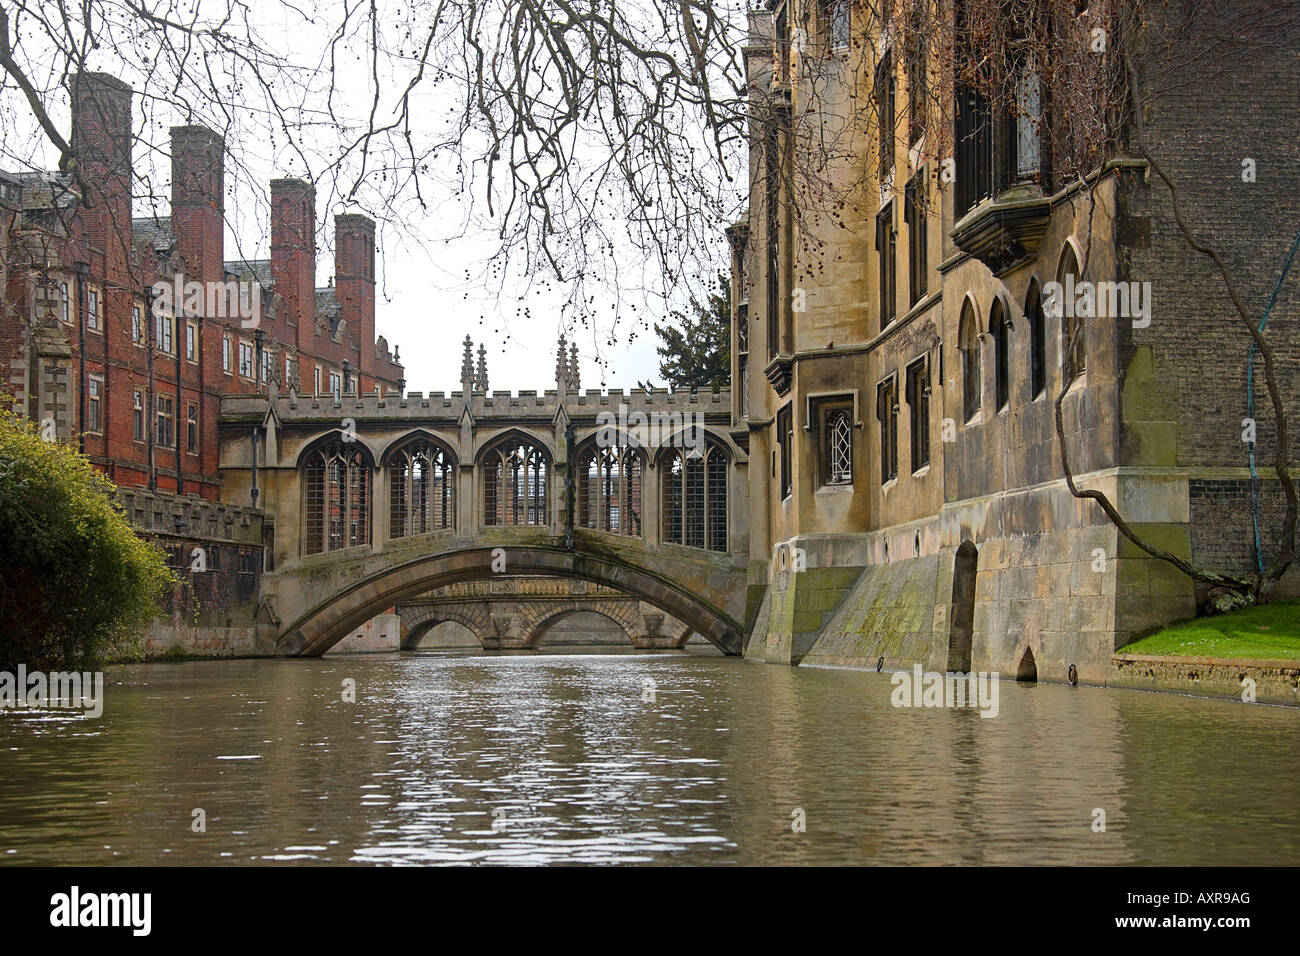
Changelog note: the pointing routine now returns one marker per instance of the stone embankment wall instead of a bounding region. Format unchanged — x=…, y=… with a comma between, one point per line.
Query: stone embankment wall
x=216, y=551
x=1274, y=682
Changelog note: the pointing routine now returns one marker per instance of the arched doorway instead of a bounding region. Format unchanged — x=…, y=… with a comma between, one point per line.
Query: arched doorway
x=962, y=622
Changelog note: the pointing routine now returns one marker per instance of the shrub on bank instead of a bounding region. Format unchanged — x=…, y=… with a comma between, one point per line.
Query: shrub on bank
x=77, y=584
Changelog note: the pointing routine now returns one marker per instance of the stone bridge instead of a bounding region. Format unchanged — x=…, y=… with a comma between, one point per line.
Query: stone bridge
x=371, y=501
x=518, y=612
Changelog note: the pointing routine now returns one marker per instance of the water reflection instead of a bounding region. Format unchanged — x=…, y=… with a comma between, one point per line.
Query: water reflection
x=562, y=758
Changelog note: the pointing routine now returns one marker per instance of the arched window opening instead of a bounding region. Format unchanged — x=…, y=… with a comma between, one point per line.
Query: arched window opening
x=609, y=489
x=1073, y=330
x=969, y=346
x=421, y=490
x=336, y=479
x=695, y=498
x=1037, y=341
x=516, y=484
x=1000, y=326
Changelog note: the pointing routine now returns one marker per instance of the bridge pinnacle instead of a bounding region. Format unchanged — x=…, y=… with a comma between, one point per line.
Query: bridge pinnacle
x=467, y=367
x=575, y=377
x=561, y=368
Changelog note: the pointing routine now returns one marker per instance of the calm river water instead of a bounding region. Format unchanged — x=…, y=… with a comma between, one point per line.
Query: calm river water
x=622, y=758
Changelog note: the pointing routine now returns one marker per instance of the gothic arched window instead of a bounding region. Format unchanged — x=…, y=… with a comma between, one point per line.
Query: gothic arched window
x=1037, y=340
x=1000, y=326
x=336, y=489
x=1074, y=330
x=609, y=489
x=695, y=498
x=969, y=346
x=516, y=484
x=421, y=489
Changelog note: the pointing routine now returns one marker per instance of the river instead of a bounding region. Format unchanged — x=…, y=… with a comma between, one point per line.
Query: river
x=671, y=758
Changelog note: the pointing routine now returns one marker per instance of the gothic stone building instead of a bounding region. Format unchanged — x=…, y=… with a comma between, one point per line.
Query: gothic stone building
x=138, y=389
x=897, y=371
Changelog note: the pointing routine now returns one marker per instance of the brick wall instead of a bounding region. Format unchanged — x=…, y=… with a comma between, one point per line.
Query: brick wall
x=50, y=355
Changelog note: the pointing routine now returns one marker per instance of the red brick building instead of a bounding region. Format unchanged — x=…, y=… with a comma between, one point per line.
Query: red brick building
x=122, y=334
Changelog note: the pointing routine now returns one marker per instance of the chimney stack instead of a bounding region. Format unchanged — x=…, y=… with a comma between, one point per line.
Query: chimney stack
x=198, y=187
x=354, y=282
x=101, y=143
x=293, y=257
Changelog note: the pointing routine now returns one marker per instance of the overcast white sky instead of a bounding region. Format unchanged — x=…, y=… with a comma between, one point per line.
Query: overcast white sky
x=434, y=286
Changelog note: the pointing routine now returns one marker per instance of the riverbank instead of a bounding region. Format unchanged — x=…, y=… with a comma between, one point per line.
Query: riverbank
x=1250, y=681
x=1267, y=632
x=1252, y=654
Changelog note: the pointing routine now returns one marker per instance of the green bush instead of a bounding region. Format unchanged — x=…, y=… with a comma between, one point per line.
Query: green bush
x=77, y=585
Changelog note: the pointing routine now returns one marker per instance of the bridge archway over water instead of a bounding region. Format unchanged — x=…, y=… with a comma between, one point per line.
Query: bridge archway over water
x=542, y=631
x=331, y=618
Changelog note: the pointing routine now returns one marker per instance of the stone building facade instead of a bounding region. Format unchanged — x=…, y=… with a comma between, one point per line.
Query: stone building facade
x=135, y=378
x=897, y=370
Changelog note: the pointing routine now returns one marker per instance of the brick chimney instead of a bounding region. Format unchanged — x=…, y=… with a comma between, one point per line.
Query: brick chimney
x=101, y=143
x=293, y=254
x=198, y=179
x=354, y=282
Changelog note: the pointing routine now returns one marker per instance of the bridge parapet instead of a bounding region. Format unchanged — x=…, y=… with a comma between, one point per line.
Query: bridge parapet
x=512, y=587
x=181, y=516
x=290, y=406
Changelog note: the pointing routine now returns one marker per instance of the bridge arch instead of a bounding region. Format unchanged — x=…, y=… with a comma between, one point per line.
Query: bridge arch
x=417, y=632
x=329, y=621
x=539, y=629
x=418, y=619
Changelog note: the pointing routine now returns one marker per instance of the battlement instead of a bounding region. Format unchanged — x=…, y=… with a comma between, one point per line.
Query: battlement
x=181, y=516
x=482, y=405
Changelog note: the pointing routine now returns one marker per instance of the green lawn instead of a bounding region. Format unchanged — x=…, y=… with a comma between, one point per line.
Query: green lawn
x=1271, y=632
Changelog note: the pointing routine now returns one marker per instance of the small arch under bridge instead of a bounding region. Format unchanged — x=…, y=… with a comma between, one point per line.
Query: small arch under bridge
x=518, y=613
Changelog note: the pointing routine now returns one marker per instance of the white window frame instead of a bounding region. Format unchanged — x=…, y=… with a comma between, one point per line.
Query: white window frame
x=138, y=416
x=95, y=404
x=164, y=333
x=170, y=417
